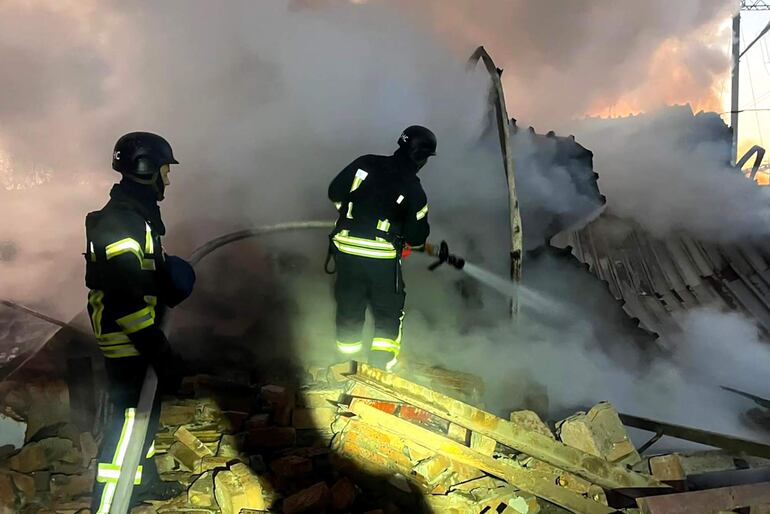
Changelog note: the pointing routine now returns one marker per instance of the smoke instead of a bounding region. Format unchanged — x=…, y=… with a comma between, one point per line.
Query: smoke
x=566, y=59
x=583, y=352
x=265, y=101
x=669, y=172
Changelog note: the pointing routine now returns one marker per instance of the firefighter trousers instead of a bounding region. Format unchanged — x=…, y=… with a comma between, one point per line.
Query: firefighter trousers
x=367, y=282
x=126, y=376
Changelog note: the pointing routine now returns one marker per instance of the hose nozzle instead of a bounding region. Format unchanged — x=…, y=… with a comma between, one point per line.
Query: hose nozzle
x=442, y=252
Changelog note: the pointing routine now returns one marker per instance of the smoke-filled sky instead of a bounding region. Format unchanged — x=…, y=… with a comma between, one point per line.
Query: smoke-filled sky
x=265, y=101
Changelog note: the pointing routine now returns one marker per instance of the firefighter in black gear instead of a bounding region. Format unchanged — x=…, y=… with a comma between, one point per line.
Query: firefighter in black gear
x=131, y=282
x=382, y=207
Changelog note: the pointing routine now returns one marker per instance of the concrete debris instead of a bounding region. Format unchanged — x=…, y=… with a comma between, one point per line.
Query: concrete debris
x=49, y=405
x=530, y=421
x=358, y=440
x=72, y=486
x=44, y=455
x=599, y=432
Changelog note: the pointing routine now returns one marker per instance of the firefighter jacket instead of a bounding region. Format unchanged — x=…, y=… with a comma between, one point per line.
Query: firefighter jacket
x=127, y=275
x=381, y=206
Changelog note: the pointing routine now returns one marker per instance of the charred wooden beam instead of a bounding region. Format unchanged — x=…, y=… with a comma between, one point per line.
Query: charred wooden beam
x=539, y=446
x=710, y=500
x=525, y=479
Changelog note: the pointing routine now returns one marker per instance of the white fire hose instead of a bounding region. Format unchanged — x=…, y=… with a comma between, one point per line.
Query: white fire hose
x=122, y=498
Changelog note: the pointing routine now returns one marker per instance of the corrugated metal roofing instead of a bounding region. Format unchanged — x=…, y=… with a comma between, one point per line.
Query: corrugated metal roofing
x=657, y=278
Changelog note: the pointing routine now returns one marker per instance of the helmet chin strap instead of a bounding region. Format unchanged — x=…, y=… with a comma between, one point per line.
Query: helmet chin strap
x=155, y=181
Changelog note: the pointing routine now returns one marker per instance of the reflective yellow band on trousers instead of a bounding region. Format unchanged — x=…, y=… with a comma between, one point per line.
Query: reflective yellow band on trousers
x=386, y=345
x=110, y=472
x=349, y=348
x=422, y=212
x=117, y=461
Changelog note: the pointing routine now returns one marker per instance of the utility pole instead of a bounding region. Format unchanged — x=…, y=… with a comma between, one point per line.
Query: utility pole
x=736, y=48
x=746, y=5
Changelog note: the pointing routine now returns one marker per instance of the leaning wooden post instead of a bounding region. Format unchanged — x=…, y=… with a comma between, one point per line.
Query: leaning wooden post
x=503, y=129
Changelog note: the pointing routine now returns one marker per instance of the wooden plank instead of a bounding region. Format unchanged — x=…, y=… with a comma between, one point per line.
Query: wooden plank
x=592, y=468
x=710, y=501
x=503, y=129
x=524, y=479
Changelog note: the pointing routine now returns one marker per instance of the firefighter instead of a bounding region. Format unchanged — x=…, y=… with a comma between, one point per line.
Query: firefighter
x=382, y=210
x=132, y=282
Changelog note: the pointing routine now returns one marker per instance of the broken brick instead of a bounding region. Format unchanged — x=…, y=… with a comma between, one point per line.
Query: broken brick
x=175, y=415
x=256, y=488
x=43, y=454
x=26, y=486
x=601, y=433
x=338, y=372
x=667, y=468
x=281, y=401
x=233, y=421
x=184, y=456
x=529, y=420
x=343, y=494
x=49, y=405
x=270, y=438
x=313, y=499
x=201, y=492
x=229, y=446
x=193, y=443
x=291, y=466
x=72, y=486
x=7, y=495
x=483, y=444
x=88, y=448
x=458, y=433
x=319, y=418
x=318, y=397
x=42, y=480
x=229, y=493
x=213, y=463
x=258, y=421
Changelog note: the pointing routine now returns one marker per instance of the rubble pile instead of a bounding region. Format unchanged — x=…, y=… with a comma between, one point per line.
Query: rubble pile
x=361, y=440
x=355, y=439
x=47, y=464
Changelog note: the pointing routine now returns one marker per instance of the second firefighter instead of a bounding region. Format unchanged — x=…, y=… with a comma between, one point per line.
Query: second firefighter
x=382, y=210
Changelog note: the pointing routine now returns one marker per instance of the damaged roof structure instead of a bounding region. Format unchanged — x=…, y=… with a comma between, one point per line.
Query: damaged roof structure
x=350, y=438
x=658, y=277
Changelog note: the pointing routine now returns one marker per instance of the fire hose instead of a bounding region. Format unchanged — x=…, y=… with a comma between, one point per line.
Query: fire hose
x=124, y=486
x=122, y=498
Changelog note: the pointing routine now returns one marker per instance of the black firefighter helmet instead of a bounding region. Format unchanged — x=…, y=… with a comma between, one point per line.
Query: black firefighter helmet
x=139, y=156
x=418, y=142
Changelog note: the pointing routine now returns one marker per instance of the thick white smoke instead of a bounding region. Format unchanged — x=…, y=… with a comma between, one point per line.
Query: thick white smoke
x=265, y=101
x=669, y=172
